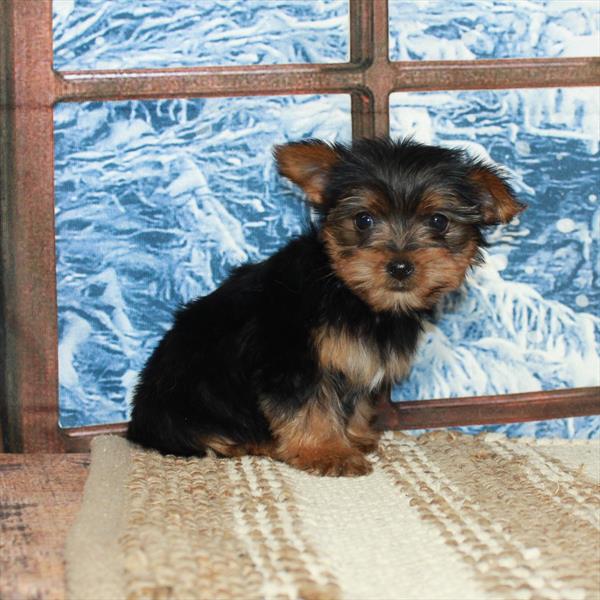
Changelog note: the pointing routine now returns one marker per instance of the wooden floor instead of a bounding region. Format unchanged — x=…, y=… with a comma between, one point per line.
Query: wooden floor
x=39, y=497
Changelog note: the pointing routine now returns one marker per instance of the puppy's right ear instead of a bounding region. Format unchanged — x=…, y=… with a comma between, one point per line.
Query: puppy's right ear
x=307, y=164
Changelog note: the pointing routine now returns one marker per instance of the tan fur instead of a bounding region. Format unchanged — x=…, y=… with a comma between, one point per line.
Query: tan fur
x=503, y=206
x=359, y=430
x=363, y=271
x=437, y=271
x=339, y=351
x=373, y=202
x=357, y=358
x=314, y=439
x=432, y=202
x=307, y=165
x=223, y=446
x=226, y=447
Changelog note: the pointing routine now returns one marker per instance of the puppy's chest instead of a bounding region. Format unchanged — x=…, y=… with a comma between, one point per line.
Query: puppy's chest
x=358, y=357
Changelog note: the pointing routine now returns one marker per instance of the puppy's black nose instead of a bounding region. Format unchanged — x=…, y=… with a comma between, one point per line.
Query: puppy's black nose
x=400, y=269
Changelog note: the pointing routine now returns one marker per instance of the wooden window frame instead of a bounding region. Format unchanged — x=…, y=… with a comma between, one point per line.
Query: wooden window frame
x=31, y=88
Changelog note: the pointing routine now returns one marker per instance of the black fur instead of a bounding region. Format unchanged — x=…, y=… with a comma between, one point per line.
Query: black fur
x=250, y=340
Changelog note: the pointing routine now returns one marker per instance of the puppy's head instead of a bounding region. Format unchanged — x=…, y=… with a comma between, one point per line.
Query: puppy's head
x=401, y=221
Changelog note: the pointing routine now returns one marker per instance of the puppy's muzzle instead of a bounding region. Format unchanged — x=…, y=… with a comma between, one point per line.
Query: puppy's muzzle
x=400, y=269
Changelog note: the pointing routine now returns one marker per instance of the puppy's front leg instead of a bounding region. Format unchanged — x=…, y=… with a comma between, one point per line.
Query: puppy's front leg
x=359, y=429
x=313, y=439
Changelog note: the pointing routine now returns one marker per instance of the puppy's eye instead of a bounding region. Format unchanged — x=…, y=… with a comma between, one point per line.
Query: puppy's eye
x=439, y=222
x=364, y=220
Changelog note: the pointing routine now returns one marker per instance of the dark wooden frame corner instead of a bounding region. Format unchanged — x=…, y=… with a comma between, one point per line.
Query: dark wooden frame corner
x=31, y=88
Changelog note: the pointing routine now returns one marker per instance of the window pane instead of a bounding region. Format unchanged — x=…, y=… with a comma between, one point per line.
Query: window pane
x=529, y=319
x=122, y=34
x=155, y=203
x=470, y=29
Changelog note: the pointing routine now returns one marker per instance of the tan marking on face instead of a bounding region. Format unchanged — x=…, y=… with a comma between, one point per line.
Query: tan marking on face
x=362, y=199
x=431, y=203
x=340, y=224
x=363, y=271
x=374, y=203
x=437, y=272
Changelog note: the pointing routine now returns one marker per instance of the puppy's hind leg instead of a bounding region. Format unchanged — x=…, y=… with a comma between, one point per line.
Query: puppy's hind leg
x=313, y=439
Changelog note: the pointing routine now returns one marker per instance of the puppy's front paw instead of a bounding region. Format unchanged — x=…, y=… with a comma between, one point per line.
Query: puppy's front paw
x=349, y=465
x=367, y=447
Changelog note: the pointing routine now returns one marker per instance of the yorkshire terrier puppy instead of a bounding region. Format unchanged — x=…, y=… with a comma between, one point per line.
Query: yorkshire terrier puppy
x=288, y=356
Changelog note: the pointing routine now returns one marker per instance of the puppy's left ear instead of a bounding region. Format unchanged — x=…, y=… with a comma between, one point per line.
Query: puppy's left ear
x=498, y=202
x=307, y=164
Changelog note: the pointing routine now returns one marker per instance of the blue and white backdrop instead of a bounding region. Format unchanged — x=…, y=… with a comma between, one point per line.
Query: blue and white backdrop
x=157, y=200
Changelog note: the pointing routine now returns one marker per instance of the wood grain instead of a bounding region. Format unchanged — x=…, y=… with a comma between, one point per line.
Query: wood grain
x=29, y=360
x=489, y=410
x=39, y=497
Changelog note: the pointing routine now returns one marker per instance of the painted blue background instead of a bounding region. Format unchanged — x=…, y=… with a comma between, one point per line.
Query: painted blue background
x=473, y=29
x=157, y=200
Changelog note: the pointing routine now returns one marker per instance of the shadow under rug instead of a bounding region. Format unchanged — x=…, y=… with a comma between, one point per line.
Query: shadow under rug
x=442, y=516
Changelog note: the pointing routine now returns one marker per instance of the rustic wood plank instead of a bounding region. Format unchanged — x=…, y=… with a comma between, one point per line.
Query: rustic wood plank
x=39, y=497
x=380, y=78
x=5, y=61
x=30, y=380
x=489, y=410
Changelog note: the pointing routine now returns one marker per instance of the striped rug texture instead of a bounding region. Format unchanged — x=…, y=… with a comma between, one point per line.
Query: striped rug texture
x=442, y=516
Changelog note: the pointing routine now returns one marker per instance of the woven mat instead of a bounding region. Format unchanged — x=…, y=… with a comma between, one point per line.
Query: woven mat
x=442, y=516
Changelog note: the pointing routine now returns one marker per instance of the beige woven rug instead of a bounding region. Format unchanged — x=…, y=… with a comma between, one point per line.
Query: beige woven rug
x=442, y=516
